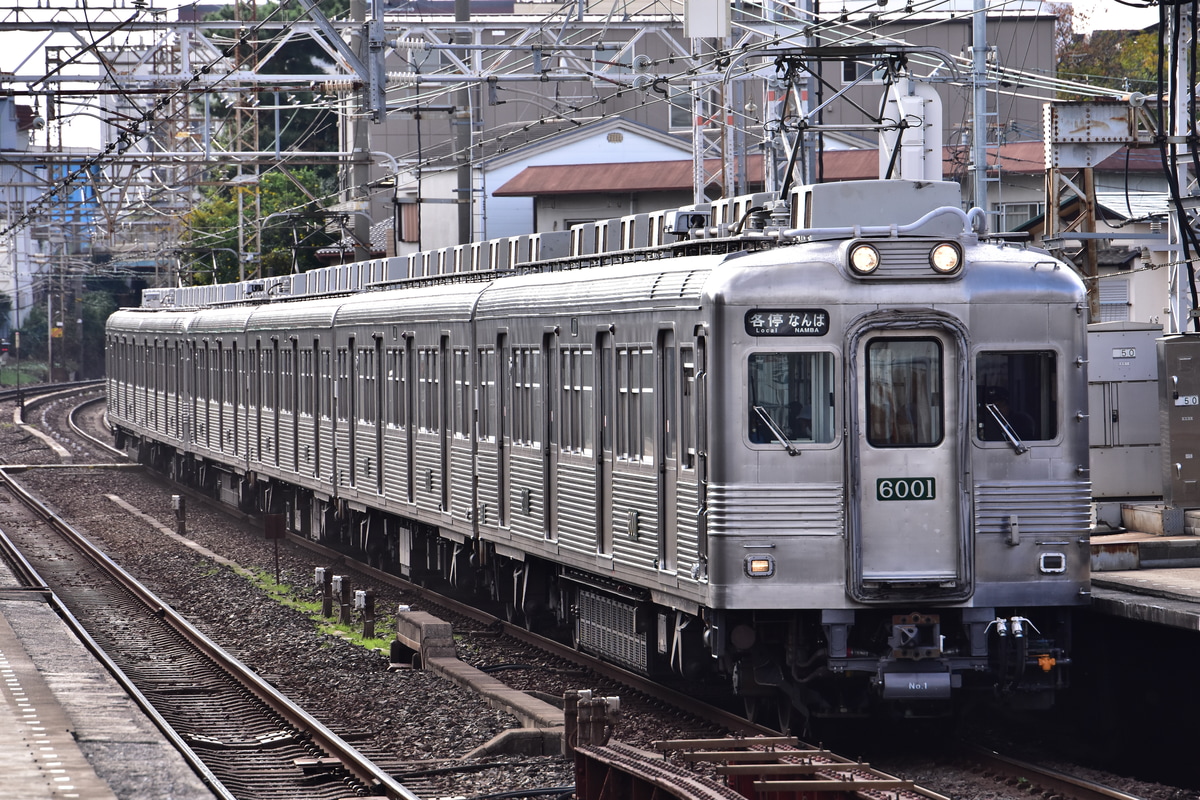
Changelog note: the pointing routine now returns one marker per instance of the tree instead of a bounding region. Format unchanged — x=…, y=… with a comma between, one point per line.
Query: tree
x=292, y=228
x=1122, y=60
x=308, y=124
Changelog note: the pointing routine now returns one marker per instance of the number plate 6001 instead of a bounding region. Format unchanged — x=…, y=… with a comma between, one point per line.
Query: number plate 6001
x=905, y=489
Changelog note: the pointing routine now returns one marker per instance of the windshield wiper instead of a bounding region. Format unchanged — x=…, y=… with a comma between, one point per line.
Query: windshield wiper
x=1007, y=429
x=775, y=429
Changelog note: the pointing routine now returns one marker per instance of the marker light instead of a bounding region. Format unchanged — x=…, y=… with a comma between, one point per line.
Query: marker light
x=945, y=258
x=760, y=566
x=864, y=259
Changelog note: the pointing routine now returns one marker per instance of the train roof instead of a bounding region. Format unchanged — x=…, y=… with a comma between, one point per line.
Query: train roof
x=833, y=211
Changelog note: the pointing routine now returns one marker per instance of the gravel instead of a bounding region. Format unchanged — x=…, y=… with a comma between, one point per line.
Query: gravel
x=418, y=725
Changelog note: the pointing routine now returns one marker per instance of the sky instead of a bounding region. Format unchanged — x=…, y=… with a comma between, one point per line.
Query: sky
x=1111, y=15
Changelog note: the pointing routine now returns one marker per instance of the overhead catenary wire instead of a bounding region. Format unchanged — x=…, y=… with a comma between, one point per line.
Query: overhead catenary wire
x=838, y=27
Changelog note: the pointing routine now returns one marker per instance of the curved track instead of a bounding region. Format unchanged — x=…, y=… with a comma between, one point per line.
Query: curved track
x=999, y=768
x=252, y=741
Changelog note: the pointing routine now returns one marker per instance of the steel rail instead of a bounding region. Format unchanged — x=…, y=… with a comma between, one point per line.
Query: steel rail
x=1052, y=782
x=78, y=430
x=358, y=765
x=29, y=576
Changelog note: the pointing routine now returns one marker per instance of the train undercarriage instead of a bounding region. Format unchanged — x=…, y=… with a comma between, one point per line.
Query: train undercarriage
x=786, y=667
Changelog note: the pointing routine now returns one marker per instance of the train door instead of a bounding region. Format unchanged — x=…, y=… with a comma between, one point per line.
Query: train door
x=606, y=387
x=318, y=393
x=256, y=377
x=380, y=377
x=275, y=376
x=326, y=445
x=295, y=387
x=549, y=436
x=344, y=429
x=503, y=427
x=908, y=525
x=445, y=399
x=410, y=416
x=668, y=462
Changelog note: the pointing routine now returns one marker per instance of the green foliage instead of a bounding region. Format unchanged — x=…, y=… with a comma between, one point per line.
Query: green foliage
x=70, y=353
x=303, y=600
x=292, y=239
x=303, y=125
x=1122, y=60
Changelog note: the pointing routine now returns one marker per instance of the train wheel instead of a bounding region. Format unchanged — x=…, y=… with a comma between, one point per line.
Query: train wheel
x=752, y=707
x=785, y=708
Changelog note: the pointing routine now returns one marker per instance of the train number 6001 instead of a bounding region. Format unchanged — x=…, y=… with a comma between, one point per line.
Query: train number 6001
x=905, y=489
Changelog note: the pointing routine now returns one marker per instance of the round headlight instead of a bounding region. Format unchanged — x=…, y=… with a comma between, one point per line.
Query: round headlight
x=864, y=259
x=946, y=257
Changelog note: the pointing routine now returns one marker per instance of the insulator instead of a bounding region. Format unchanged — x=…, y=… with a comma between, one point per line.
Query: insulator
x=409, y=44
x=402, y=78
x=333, y=87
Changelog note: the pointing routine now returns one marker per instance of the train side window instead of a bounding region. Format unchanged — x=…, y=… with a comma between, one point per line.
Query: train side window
x=326, y=379
x=1022, y=386
x=795, y=391
x=687, y=409
x=485, y=413
x=526, y=385
x=635, y=404
x=904, y=391
x=429, y=390
x=343, y=387
x=305, y=368
x=462, y=394
x=366, y=386
x=395, y=388
x=576, y=415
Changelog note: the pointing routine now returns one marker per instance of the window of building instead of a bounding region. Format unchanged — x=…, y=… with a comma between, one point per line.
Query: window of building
x=1010, y=216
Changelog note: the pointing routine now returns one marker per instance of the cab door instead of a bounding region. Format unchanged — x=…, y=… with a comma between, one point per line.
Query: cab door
x=909, y=520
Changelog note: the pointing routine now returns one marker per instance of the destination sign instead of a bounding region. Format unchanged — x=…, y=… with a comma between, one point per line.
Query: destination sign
x=787, y=322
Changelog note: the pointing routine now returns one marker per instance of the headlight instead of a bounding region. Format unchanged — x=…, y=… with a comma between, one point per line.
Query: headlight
x=945, y=258
x=864, y=259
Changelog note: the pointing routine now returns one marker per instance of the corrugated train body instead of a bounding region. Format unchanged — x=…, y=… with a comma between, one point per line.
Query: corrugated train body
x=837, y=466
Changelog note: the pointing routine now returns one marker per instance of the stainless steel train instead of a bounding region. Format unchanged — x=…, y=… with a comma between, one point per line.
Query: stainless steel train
x=830, y=447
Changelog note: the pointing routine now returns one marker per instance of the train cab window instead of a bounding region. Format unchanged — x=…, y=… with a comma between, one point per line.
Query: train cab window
x=904, y=393
x=791, y=395
x=1017, y=390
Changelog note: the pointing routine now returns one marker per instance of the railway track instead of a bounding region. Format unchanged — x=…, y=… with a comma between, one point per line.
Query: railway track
x=1011, y=775
x=246, y=739
x=1037, y=781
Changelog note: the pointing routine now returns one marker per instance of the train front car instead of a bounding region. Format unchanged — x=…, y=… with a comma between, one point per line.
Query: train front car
x=897, y=510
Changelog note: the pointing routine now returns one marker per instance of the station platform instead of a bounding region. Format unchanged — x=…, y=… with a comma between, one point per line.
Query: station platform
x=67, y=728
x=1147, y=577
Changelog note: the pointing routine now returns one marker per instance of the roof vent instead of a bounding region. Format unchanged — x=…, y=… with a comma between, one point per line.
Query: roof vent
x=616, y=137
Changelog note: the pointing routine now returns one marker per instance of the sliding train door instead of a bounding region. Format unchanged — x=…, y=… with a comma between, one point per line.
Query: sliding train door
x=909, y=520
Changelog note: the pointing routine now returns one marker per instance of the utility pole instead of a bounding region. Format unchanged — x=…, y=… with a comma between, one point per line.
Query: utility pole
x=1184, y=308
x=464, y=122
x=360, y=170
x=979, y=82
